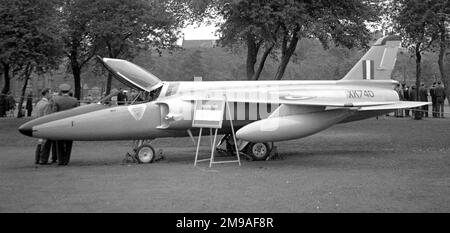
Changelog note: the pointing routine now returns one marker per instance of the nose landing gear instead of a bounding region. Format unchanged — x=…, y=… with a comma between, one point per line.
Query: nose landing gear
x=145, y=154
x=142, y=152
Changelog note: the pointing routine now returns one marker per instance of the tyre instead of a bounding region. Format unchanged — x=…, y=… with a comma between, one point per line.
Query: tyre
x=259, y=151
x=145, y=154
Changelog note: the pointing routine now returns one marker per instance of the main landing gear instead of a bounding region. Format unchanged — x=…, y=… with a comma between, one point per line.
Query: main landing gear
x=258, y=151
x=142, y=152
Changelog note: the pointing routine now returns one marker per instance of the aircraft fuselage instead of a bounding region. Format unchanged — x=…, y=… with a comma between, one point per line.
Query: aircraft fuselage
x=170, y=115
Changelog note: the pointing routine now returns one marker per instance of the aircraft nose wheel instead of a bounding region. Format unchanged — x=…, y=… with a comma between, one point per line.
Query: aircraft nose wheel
x=259, y=151
x=145, y=154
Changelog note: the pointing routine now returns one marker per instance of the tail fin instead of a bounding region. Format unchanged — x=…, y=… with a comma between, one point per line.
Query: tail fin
x=378, y=62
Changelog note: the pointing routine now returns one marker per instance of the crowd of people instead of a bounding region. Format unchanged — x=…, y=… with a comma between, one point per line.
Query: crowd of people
x=436, y=92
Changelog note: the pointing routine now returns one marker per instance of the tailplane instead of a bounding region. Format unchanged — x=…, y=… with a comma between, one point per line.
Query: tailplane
x=378, y=62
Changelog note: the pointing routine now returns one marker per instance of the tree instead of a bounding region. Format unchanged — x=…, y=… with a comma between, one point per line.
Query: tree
x=75, y=19
x=250, y=23
x=10, y=38
x=28, y=40
x=122, y=27
x=281, y=24
x=442, y=21
x=414, y=20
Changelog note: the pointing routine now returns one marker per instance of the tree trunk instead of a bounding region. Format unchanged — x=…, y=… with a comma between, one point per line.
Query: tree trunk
x=76, y=71
x=27, y=74
x=252, y=53
x=418, y=114
x=442, y=53
x=262, y=62
x=108, y=84
x=6, y=77
x=76, y=68
x=109, y=79
x=286, y=55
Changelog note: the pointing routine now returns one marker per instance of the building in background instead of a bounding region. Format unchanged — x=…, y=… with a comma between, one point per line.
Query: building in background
x=208, y=43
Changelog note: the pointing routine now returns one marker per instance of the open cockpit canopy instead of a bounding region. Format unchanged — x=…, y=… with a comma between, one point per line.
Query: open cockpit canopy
x=131, y=74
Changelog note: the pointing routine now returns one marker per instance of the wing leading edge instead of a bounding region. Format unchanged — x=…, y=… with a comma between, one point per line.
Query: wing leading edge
x=305, y=101
x=396, y=105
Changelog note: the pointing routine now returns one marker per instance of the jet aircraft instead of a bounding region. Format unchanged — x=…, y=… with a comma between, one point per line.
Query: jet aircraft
x=263, y=112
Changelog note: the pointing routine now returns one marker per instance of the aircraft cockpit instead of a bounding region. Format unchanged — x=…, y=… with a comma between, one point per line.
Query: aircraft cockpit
x=135, y=97
x=147, y=85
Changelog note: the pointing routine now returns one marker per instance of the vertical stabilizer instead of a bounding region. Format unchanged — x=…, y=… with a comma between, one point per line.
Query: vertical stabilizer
x=378, y=62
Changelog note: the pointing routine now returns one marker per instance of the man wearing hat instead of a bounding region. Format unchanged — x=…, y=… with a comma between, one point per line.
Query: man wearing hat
x=59, y=103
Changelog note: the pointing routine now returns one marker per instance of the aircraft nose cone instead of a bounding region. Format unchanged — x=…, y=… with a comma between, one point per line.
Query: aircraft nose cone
x=26, y=129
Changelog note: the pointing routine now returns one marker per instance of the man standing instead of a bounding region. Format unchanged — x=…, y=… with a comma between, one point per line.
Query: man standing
x=44, y=146
x=399, y=90
x=414, y=97
x=406, y=98
x=433, y=99
x=60, y=103
x=440, y=98
x=423, y=96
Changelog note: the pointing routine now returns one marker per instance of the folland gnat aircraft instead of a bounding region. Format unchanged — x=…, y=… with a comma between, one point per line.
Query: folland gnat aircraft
x=262, y=112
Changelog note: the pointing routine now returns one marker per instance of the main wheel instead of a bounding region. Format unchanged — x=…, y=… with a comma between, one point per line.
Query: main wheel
x=145, y=154
x=259, y=151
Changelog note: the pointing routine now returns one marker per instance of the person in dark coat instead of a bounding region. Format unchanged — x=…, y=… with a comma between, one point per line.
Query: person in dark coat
x=440, y=98
x=59, y=103
x=423, y=96
x=413, y=97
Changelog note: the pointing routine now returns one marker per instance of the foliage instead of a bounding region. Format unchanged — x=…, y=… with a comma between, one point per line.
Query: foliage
x=422, y=25
x=281, y=24
x=80, y=45
x=123, y=27
x=28, y=38
x=116, y=29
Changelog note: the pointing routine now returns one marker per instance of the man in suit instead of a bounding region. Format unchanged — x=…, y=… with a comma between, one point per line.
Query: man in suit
x=423, y=96
x=59, y=103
